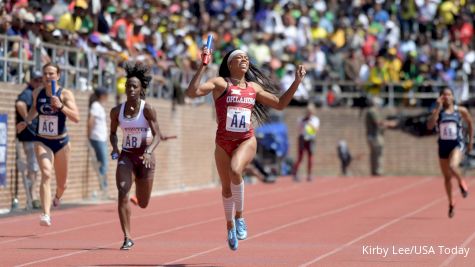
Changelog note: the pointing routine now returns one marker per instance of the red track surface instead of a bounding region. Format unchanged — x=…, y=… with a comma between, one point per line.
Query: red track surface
x=328, y=222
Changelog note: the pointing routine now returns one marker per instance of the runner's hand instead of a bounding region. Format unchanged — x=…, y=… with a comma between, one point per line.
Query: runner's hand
x=206, y=53
x=147, y=160
x=56, y=102
x=115, y=154
x=438, y=105
x=300, y=73
x=21, y=126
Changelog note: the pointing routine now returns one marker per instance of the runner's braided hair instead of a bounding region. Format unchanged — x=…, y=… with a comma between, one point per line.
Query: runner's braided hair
x=260, y=112
x=140, y=71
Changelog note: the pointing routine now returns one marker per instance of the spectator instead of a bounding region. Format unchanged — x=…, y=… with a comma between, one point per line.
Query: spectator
x=282, y=30
x=393, y=66
x=98, y=135
x=72, y=22
x=378, y=76
x=345, y=156
x=375, y=126
x=308, y=128
x=23, y=104
x=352, y=65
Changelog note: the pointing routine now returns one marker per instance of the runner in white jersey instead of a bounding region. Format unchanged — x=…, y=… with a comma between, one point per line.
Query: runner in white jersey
x=141, y=135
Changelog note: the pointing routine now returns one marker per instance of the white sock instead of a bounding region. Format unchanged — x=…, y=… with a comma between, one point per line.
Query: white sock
x=238, y=195
x=228, y=208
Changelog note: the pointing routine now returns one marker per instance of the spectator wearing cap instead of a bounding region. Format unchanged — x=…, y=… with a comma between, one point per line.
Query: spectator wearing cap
x=393, y=65
x=26, y=139
x=109, y=15
x=72, y=22
x=378, y=76
x=104, y=21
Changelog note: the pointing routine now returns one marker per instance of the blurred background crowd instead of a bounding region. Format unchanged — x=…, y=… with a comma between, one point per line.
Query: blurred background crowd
x=348, y=46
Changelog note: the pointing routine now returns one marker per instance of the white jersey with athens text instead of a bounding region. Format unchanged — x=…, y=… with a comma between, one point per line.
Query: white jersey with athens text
x=136, y=131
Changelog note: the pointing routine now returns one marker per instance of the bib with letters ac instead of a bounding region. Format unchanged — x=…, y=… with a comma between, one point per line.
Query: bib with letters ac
x=136, y=131
x=233, y=112
x=449, y=126
x=51, y=121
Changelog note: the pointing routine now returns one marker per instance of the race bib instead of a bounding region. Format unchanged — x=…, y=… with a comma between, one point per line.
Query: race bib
x=448, y=131
x=48, y=125
x=238, y=119
x=132, y=140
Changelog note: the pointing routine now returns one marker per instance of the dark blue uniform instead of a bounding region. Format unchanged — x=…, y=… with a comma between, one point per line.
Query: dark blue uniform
x=449, y=127
x=28, y=135
x=51, y=123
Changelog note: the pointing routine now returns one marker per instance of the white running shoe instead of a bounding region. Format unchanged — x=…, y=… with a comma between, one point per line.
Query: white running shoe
x=45, y=220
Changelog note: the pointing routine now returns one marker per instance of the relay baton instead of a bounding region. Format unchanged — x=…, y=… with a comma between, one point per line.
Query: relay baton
x=53, y=87
x=209, y=43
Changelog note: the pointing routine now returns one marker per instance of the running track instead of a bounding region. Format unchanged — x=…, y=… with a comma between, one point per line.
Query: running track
x=327, y=222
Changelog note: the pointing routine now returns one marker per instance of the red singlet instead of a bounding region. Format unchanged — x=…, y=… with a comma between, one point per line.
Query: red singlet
x=233, y=112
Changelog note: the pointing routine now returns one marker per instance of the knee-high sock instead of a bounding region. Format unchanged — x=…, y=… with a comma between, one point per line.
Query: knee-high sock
x=238, y=195
x=228, y=204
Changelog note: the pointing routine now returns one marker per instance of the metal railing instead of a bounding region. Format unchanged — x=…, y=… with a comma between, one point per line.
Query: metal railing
x=391, y=92
x=78, y=73
x=81, y=74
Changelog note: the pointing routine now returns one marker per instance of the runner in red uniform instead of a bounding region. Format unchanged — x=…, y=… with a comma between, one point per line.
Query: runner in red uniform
x=242, y=94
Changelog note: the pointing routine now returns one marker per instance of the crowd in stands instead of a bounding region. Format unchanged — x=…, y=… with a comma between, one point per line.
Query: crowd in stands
x=373, y=43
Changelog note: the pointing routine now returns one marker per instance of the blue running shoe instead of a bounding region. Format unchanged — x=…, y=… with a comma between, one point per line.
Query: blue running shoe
x=241, y=228
x=232, y=239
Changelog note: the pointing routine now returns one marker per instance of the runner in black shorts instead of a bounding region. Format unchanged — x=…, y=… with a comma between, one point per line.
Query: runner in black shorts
x=448, y=118
x=141, y=136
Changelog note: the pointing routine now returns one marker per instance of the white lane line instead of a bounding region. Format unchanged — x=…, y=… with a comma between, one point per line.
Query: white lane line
x=304, y=220
x=203, y=222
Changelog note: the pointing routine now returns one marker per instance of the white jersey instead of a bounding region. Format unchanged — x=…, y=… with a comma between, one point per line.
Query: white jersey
x=137, y=132
x=99, y=128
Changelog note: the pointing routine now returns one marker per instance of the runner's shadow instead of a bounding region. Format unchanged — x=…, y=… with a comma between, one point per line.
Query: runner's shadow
x=17, y=236
x=165, y=265
x=68, y=249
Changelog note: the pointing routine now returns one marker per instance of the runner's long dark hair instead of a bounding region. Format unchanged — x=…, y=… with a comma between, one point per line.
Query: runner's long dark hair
x=140, y=71
x=260, y=112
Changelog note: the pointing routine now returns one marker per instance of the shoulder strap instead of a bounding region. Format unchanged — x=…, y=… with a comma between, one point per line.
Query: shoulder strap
x=121, y=112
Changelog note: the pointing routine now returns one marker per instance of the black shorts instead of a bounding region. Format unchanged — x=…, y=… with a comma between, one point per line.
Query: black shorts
x=54, y=144
x=447, y=146
x=133, y=161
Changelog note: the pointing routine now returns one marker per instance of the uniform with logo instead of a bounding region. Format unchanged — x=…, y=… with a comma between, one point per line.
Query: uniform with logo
x=233, y=112
x=449, y=127
x=137, y=135
x=51, y=129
